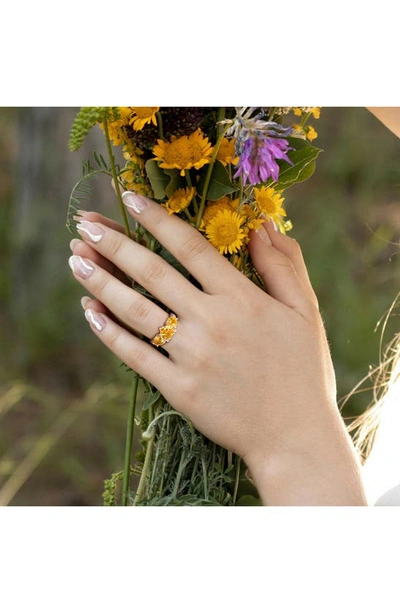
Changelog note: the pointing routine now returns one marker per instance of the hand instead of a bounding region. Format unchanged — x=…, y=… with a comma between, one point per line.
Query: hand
x=252, y=370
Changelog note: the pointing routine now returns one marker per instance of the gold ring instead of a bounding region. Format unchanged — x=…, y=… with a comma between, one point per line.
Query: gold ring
x=166, y=332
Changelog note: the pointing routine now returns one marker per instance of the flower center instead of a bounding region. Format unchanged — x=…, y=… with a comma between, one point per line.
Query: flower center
x=226, y=233
x=267, y=205
x=183, y=152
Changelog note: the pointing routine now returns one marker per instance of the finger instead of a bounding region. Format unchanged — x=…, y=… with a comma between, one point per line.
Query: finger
x=290, y=247
x=278, y=272
x=126, y=304
x=148, y=269
x=85, y=251
x=96, y=217
x=137, y=354
x=190, y=248
x=95, y=305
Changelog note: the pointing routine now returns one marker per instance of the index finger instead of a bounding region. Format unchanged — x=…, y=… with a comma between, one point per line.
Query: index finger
x=184, y=242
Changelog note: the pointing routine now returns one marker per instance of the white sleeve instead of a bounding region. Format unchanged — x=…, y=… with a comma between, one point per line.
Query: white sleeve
x=381, y=471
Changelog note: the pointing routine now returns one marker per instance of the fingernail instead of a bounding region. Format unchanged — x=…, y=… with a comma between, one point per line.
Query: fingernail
x=91, y=231
x=74, y=243
x=134, y=201
x=84, y=300
x=263, y=235
x=270, y=221
x=95, y=319
x=82, y=268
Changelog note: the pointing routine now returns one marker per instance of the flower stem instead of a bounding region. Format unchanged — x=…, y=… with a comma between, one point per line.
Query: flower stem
x=208, y=179
x=237, y=476
x=129, y=440
x=147, y=462
x=115, y=178
x=220, y=117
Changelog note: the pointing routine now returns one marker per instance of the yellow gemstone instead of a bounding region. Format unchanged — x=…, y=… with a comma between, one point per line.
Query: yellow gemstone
x=157, y=341
x=172, y=320
x=167, y=332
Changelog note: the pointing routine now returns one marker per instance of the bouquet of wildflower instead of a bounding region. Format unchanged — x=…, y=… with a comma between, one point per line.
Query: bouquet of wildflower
x=224, y=171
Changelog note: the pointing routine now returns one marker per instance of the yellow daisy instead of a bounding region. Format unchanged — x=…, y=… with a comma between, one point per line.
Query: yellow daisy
x=115, y=132
x=226, y=152
x=142, y=115
x=180, y=199
x=185, y=152
x=269, y=202
x=214, y=206
x=125, y=112
x=225, y=232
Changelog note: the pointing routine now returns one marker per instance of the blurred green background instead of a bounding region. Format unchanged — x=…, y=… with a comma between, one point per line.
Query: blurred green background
x=63, y=397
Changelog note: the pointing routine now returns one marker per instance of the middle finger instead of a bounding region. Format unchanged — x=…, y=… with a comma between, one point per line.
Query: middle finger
x=147, y=268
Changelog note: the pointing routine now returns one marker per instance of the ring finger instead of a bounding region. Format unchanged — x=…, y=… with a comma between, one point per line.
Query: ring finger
x=128, y=305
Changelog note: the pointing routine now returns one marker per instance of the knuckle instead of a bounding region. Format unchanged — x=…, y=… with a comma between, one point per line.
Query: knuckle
x=101, y=285
x=138, y=310
x=115, y=241
x=189, y=387
x=155, y=271
x=193, y=248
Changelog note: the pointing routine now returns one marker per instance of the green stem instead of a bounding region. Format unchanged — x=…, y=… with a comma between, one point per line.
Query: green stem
x=220, y=117
x=115, y=178
x=208, y=179
x=305, y=118
x=237, y=476
x=182, y=464
x=205, y=478
x=129, y=441
x=146, y=465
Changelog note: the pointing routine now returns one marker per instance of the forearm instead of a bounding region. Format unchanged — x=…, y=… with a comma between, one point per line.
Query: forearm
x=320, y=468
x=389, y=116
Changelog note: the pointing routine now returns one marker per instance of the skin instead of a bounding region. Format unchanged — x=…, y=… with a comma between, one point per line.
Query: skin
x=252, y=370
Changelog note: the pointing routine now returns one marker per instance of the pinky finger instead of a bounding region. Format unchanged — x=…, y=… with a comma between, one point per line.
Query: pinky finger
x=96, y=305
x=137, y=354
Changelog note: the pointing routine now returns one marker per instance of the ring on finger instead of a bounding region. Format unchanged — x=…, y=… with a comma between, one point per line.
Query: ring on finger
x=166, y=331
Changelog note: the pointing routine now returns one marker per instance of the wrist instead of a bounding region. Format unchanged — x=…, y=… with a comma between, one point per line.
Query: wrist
x=316, y=470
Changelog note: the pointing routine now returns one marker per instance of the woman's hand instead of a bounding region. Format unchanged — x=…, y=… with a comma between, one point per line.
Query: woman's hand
x=252, y=370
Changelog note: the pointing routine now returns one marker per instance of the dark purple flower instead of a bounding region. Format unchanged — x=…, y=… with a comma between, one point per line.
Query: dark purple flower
x=258, y=158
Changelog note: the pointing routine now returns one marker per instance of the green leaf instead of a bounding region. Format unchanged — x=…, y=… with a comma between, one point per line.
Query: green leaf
x=220, y=183
x=151, y=399
x=175, y=181
x=303, y=158
x=249, y=501
x=158, y=179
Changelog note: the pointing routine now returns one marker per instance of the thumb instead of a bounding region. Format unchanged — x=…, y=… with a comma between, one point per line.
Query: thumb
x=277, y=270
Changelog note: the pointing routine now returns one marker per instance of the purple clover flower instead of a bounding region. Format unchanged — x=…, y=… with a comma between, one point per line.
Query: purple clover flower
x=258, y=158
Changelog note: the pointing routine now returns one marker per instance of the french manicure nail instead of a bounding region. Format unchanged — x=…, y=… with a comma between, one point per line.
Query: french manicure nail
x=95, y=319
x=92, y=231
x=263, y=235
x=134, y=201
x=82, y=268
x=74, y=243
x=84, y=301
